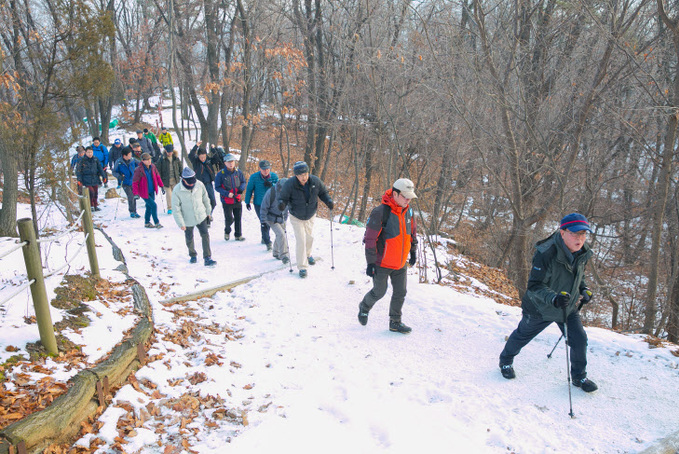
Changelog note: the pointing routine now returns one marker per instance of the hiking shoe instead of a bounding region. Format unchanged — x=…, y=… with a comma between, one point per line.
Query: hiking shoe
x=311, y=260
x=507, y=371
x=362, y=316
x=97, y=209
x=210, y=262
x=158, y=226
x=285, y=260
x=269, y=246
x=398, y=327
x=240, y=238
x=134, y=215
x=586, y=385
x=169, y=211
x=302, y=273
x=193, y=260
x=227, y=236
x=148, y=225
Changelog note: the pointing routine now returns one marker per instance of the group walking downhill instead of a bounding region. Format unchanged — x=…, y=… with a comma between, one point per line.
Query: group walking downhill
x=149, y=165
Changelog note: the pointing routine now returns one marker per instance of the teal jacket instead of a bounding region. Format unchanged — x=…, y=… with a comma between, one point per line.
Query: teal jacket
x=257, y=186
x=555, y=270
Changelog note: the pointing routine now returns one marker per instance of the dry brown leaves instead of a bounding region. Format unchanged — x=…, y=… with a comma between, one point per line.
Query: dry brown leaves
x=501, y=288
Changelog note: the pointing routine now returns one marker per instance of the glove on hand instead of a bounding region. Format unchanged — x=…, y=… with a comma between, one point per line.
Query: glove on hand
x=162, y=190
x=268, y=183
x=413, y=258
x=586, y=294
x=561, y=300
x=281, y=206
x=248, y=206
x=331, y=205
x=370, y=270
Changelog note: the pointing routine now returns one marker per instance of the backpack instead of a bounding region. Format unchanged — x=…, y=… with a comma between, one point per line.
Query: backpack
x=386, y=210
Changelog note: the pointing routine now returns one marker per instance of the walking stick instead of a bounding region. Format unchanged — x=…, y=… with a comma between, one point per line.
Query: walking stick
x=582, y=303
x=332, y=245
x=568, y=363
x=285, y=231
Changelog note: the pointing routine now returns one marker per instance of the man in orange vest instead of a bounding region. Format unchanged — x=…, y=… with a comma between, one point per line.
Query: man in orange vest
x=390, y=241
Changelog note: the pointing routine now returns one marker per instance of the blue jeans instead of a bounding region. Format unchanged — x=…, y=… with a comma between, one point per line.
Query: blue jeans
x=151, y=210
x=530, y=326
x=264, y=227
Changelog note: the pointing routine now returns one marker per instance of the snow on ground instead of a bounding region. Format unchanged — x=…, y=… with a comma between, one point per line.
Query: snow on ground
x=310, y=377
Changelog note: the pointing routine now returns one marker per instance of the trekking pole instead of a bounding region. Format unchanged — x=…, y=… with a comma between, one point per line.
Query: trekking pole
x=285, y=231
x=568, y=363
x=162, y=199
x=582, y=303
x=115, y=215
x=332, y=245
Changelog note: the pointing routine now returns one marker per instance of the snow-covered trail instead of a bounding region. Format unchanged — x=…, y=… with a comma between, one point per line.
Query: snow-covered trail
x=327, y=383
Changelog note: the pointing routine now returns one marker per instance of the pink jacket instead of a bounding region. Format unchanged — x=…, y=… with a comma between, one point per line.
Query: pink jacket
x=140, y=185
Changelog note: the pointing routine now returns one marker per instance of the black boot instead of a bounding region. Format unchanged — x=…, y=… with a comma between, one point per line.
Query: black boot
x=362, y=316
x=586, y=385
x=507, y=371
x=399, y=327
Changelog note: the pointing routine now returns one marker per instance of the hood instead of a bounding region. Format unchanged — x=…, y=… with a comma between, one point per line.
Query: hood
x=388, y=199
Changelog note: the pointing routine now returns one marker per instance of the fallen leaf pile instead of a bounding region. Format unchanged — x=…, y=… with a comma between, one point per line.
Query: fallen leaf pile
x=499, y=288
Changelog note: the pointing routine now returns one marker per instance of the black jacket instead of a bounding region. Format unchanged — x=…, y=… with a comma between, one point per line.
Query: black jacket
x=303, y=200
x=89, y=170
x=204, y=172
x=169, y=169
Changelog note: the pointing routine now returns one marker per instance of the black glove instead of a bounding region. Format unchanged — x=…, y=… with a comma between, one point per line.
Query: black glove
x=370, y=270
x=268, y=183
x=586, y=294
x=281, y=206
x=561, y=300
x=413, y=257
x=331, y=205
x=248, y=206
x=162, y=190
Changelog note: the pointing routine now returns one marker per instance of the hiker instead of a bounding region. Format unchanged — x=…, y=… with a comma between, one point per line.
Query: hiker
x=301, y=194
x=114, y=154
x=154, y=143
x=131, y=146
x=170, y=170
x=90, y=174
x=146, y=144
x=390, y=238
x=145, y=183
x=555, y=284
x=192, y=209
x=101, y=153
x=124, y=172
x=204, y=171
x=79, y=153
x=276, y=220
x=230, y=183
x=165, y=139
x=216, y=157
x=258, y=184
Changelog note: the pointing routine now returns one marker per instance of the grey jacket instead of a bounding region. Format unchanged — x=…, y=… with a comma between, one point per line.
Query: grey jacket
x=554, y=272
x=269, y=211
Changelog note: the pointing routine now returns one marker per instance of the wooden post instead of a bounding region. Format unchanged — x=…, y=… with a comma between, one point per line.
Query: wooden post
x=38, y=292
x=88, y=227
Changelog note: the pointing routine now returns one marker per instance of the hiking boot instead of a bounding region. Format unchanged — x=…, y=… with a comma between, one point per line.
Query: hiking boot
x=210, y=262
x=158, y=226
x=311, y=260
x=134, y=215
x=227, y=236
x=586, y=385
x=362, y=316
x=269, y=246
x=302, y=273
x=398, y=327
x=169, y=211
x=148, y=225
x=193, y=260
x=285, y=260
x=97, y=209
x=507, y=371
x=240, y=238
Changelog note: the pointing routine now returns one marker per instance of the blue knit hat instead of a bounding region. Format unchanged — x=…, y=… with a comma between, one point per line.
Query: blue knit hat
x=575, y=222
x=229, y=157
x=300, y=167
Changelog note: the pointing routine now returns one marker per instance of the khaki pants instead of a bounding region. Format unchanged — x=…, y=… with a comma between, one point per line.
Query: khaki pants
x=304, y=240
x=168, y=195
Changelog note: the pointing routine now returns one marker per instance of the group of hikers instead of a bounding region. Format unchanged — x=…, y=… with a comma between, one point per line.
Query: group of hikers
x=556, y=288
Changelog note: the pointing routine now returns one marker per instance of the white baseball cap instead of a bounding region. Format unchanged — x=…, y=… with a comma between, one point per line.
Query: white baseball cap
x=405, y=187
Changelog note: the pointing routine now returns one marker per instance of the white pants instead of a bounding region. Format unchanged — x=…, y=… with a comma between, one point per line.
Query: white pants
x=304, y=240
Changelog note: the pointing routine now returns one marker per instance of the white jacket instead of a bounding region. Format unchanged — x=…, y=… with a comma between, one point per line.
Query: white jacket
x=190, y=207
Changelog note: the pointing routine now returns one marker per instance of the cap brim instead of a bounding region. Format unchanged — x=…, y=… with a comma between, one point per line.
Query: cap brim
x=408, y=195
x=579, y=228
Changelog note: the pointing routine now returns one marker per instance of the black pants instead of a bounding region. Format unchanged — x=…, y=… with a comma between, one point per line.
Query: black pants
x=266, y=239
x=204, y=237
x=399, y=279
x=232, y=215
x=530, y=326
x=131, y=201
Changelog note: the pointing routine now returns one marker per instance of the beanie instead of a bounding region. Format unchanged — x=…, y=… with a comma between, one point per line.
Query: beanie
x=300, y=167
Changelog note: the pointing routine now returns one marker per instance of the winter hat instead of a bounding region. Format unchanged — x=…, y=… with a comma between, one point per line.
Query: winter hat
x=229, y=157
x=188, y=173
x=145, y=156
x=405, y=187
x=300, y=167
x=117, y=142
x=132, y=140
x=146, y=130
x=264, y=164
x=139, y=131
x=575, y=222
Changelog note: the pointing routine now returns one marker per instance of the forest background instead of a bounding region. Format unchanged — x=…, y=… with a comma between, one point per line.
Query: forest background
x=506, y=114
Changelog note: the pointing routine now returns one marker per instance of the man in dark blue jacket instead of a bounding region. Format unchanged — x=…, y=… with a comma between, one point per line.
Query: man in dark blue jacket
x=258, y=184
x=555, y=284
x=124, y=171
x=301, y=194
x=204, y=172
x=89, y=172
x=230, y=183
